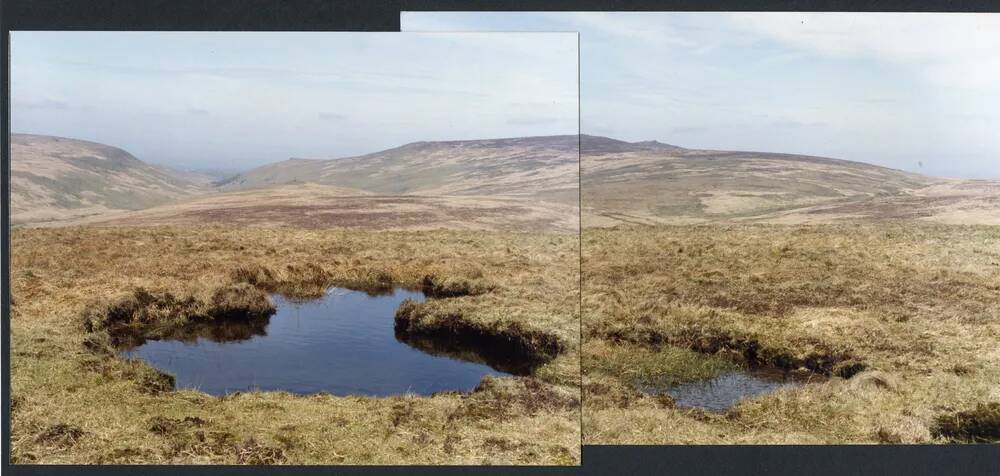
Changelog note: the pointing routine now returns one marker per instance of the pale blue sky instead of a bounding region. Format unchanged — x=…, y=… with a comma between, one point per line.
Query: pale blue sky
x=237, y=100
x=919, y=92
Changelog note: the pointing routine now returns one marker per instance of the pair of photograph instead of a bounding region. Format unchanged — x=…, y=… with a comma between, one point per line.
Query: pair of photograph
x=493, y=238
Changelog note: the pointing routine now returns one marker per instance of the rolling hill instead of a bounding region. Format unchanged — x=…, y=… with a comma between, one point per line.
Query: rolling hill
x=55, y=178
x=313, y=206
x=538, y=167
x=515, y=183
x=652, y=183
x=521, y=184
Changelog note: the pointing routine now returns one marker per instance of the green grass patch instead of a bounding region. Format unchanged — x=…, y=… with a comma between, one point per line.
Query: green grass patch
x=638, y=365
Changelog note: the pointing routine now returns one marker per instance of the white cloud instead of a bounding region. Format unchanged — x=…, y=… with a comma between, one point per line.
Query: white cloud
x=637, y=27
x=255, y=97
x=961, y=50
x=889, y=89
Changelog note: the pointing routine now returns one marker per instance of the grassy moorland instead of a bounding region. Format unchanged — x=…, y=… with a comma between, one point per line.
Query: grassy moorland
x=899, y=323
x=78, y=291
x=56, y=178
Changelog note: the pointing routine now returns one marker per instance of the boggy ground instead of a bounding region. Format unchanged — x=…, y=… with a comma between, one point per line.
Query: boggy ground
x=78, y=292
x=899, y=323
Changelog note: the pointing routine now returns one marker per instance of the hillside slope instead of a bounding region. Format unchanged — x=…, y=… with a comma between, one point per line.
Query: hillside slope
x=639, y=183
x=539, y=167
x=54, y=178
x=324, y=206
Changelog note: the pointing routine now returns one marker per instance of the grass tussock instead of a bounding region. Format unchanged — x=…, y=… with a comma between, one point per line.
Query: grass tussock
x=434, y=286
x=415, y=319
x=107, y=368
x=979, y=425
x=128, y=319
x=505, y=399
x=80, y=294
x=904, y=317
x=59, y=434
x=640, y=365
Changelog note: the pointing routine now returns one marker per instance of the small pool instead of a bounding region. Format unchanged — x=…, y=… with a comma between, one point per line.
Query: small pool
x=724, y=391
x=342, y=344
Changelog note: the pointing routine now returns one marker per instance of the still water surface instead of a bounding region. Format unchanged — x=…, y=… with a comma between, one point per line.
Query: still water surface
x=343, y=344
x=724, y=391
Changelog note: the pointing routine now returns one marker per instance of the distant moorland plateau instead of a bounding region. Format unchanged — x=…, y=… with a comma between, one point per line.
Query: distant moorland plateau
x=526, y=183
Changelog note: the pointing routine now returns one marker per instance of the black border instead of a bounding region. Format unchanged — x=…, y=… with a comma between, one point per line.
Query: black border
x=901, y=460
x=704, y=5
x=383, y=15
x=192, y=15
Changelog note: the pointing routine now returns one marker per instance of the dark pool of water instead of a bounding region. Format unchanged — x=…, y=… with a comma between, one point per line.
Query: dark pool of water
x=721, y=393
x=343, y=344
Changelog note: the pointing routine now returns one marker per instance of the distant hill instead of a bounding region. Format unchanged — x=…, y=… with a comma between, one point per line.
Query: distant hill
x=540, y=167
x=306, y=205
x=515, y=183
x=55, y=178
x=597, y=145
x=653, y=183
x=520, y=184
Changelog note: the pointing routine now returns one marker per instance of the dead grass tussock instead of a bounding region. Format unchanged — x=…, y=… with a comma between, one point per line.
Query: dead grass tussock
x=131, y=316
x=906, y=317
x=978, y=425
x=505, y=399
x=435, y=318
x=451, y=287
x=60, y=434
x=153, y=281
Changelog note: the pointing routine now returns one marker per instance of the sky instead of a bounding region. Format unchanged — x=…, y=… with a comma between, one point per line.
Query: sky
x=235, y=100
x=917, y=92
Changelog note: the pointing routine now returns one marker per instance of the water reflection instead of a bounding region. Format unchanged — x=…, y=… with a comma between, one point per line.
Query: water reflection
x=344, y=344
x=724, y=391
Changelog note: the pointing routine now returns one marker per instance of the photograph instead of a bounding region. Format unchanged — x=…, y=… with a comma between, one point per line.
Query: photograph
x=302, y=248
x=790, y=224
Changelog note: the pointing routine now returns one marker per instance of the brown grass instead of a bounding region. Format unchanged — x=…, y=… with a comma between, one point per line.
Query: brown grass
x=312, y=206
x=979, y=425
x=904, y=317
x=77, y=291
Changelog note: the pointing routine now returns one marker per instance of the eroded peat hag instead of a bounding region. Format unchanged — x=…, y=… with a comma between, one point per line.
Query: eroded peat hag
x=895, y=325
x=501, y=355
x=514, y=347
x=128, y=412
x=343, y=344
